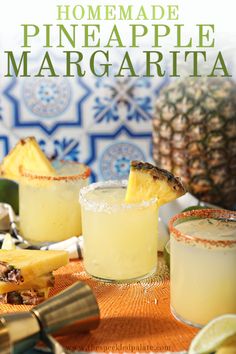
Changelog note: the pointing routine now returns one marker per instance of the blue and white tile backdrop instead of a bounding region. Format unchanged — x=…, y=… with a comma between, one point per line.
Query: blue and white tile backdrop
x=102, y=122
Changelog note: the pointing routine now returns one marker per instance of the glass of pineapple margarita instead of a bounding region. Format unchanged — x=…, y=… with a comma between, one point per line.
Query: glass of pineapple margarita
x=203, y=265
x=120, y=239
x=49, y=207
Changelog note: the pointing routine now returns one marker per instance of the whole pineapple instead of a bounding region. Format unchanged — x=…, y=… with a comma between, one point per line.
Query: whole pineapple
x=194, y=136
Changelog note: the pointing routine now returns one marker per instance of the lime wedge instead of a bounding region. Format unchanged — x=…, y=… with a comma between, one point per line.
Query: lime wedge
x=214, y=335
x=166, y=254
x=195, y=207
x=9, y=193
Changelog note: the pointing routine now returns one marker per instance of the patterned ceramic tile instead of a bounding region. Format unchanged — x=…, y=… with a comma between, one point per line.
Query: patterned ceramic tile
x=110, y=153
x=4, y=146
x=46, y=103
x=104, y=122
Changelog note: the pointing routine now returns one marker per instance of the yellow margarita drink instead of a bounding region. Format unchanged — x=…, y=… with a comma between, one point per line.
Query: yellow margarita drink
x=203, y=265
x=49, y=206
x=120, y=239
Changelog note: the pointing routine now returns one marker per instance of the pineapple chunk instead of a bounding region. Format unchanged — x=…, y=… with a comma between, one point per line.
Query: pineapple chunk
x=27, y=155
x=29, y=296
x=147, y=181
x=25, y=265
x=43, y=282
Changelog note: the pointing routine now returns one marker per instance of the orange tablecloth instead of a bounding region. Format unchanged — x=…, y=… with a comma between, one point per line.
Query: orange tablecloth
x=134, y=317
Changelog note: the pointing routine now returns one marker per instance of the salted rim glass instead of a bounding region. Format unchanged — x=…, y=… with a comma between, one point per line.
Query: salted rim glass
x=102, y=206
x=219, y=214
x=108, y=255
x=68, y=171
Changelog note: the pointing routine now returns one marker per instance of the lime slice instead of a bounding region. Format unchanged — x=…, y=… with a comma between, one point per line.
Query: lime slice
x=8, y=243
x=166, y=254
x=214, y=335
x=9, y=193
x=195, y=207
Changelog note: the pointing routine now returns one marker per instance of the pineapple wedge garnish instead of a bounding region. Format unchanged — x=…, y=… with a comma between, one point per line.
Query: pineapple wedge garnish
x=147, y=181
x=26, y=155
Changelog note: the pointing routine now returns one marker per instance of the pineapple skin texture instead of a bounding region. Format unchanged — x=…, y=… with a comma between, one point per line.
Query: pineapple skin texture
x=27, y=155
x=194, y=136
x=42, y=282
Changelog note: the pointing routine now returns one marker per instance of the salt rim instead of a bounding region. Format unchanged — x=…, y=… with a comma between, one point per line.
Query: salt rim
x=106, y=207
x=57, y=178
x=202, y=213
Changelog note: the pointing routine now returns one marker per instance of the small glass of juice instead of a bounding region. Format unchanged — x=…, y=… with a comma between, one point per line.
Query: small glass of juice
x=49, y=206
x=120, y=239
x=203, y=265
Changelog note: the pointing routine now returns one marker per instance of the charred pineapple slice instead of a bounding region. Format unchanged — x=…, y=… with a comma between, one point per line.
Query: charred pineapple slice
x=27, y=155
x=147, y=181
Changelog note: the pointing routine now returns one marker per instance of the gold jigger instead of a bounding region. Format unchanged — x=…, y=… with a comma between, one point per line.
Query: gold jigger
x=74, y=310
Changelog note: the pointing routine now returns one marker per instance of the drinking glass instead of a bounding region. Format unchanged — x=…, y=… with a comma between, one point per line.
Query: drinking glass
x=203, y=265
x=120, y=239
x=49, y=206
